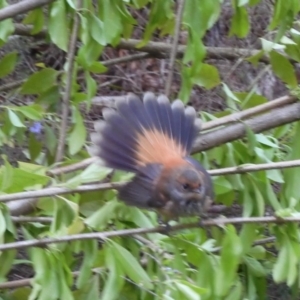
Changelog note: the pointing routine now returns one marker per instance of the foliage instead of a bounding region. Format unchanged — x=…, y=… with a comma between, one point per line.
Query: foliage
x=220, y=263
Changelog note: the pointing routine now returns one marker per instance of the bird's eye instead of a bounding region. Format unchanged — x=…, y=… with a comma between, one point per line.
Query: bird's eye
x=185, y=186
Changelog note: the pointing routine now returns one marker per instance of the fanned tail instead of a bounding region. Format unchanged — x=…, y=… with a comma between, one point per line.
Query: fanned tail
x=141, y=133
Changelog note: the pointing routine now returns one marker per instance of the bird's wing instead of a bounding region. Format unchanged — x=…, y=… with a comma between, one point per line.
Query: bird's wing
x=140, y=191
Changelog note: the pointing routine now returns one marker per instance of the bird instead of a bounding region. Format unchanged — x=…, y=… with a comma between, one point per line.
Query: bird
x=153, y=139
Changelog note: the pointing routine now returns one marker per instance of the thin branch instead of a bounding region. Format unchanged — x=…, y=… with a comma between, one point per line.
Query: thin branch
x=255, y=168
x=259, y=109
x=160, y=49
x=11, y=85
x=16, y=283
x=67, y=94
x=27, y=281
x=131, y=232
x=21, y=7
x=71, y=168
x=31, y=219
x=124, y=59
x=54, y=191
x=174, y=46
x=264, y=241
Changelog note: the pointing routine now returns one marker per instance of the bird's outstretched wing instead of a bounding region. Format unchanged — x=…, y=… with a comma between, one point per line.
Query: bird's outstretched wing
x=150, y=132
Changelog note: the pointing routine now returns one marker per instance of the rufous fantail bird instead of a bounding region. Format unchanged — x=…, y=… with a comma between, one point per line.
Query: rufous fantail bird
x=153, y=139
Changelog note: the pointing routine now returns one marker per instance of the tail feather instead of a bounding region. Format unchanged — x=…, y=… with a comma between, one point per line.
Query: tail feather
x=141, y=133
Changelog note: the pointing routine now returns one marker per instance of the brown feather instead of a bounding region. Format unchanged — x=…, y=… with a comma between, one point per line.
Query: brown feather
x=156, y=147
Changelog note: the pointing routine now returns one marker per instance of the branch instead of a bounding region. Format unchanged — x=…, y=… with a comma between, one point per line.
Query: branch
x=54, y=191
x=124, y=59
x=130, y=232
x=235, y=117
x=71, y=168
x=67, y=94
x=174, y=46
x=31, y=219
x=21, y=7
x=254, y=168
x=158, y=49
x=275, y=118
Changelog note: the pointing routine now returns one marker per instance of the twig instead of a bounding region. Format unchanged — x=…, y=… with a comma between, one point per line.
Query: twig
x=259, y=109
x=264, y=241
x=67, y=94
x=31, y=219
x=71, y=168
x=27, y=282
x=255, y=168
x=174, y=46
x=11, y=85
x=54, y=191
x=160, y=49
x=129, y=58
x=132, y=232
x=21, y=7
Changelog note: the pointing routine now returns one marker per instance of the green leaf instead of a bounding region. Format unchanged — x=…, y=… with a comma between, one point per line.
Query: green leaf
x=34, y=146
x=247, y=236
x=283, y=69
x=50, y=139
x=97, y=67
x=14, y=119
x=255, y=267
x=115, y=279
x=21, y=180
x=77, y=137
x=36, y=18
x=230, y=258
x=221, y=185
x=97, y=30
x=89, y=53
x=7, y=258
x=240, y=23
x=281, y=267
x=7, y=63
x=130, y=265
x=187, y=292
x=92, y=173
x=229, y=93
x=6, y=28
x=58, y=25
x=260, y=204
x=102, y=216
x=40, y=82
x=90, y=249
x=32, y=112
x=206, y=76
x=91, y=88
x=112, y=21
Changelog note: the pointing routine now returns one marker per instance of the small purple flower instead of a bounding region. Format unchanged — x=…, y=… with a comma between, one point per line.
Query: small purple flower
x=36, y=128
